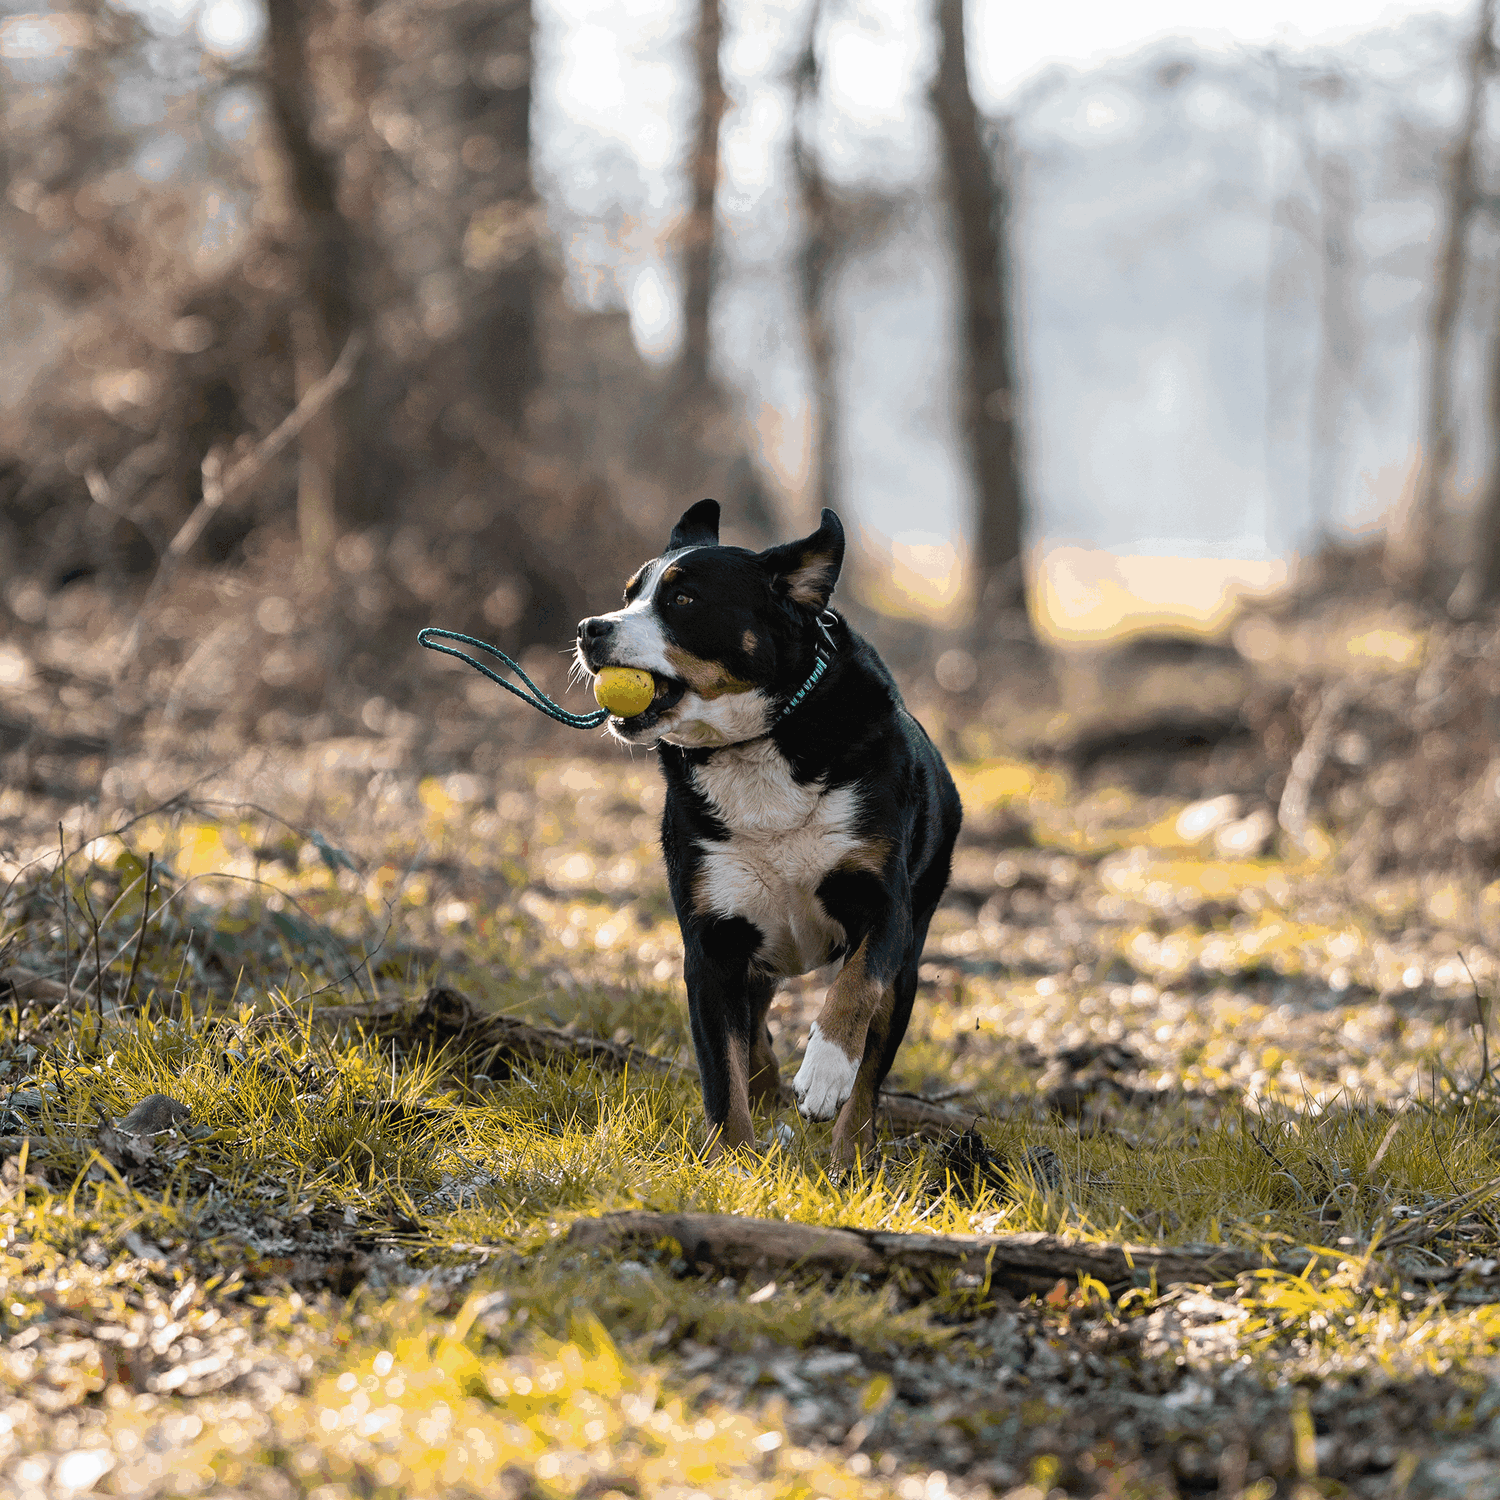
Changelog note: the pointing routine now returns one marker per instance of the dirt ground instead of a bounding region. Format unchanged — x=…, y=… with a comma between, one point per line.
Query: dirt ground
x=1181, y=1001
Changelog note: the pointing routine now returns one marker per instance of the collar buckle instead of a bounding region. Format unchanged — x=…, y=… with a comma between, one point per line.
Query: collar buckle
x=826, y=620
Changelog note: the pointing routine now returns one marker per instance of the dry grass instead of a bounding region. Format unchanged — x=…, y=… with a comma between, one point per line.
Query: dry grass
x=345, y=1274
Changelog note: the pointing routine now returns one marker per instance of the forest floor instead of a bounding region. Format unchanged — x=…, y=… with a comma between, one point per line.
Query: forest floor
x=343, y=1266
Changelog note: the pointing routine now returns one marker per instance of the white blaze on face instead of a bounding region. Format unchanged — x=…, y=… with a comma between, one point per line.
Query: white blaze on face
x=638, y=639
x=694, y=722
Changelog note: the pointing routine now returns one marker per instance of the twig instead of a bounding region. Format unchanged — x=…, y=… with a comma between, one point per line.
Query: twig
x=98, y=957
x=1481, y=1006
x=140, y=939
x=1385, y=1145
x=1432, y=1129
x=326, y=938
x=102, y=493
x=62, y=859
x=1282, y=1170
x=98, y=967
x=1307, y=764
x=187, y=953
x=220, y=489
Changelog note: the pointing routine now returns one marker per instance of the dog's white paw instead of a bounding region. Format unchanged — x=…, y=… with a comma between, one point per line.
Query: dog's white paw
x=825, y=1079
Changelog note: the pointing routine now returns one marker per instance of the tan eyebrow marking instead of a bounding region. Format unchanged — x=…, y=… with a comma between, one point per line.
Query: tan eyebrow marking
x=748, y=643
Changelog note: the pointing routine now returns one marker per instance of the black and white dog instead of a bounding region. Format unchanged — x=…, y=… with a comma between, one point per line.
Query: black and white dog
x=808, y=816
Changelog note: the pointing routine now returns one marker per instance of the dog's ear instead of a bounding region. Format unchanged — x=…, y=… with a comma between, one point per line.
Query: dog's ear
x=807, y=570
x=699, y=527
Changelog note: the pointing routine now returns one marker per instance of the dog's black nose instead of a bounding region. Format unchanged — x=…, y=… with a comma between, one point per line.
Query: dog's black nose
x=592, y=628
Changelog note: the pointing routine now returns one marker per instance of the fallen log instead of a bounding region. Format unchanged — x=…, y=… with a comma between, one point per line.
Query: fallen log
x=1021, y=1264
x=444, y=1017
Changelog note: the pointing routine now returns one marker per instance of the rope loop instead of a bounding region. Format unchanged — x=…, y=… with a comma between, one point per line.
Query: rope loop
x=536, y=697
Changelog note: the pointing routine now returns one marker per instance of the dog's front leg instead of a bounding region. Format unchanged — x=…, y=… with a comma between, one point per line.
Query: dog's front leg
x=836, y=1045
x=723, y=1019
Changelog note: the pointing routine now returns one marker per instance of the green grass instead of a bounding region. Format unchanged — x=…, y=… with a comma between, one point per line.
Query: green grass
x=381, y=1232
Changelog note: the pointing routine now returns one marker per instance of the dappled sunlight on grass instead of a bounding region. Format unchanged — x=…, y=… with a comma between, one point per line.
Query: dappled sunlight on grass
x=430, y=1413
x=1159, y=1043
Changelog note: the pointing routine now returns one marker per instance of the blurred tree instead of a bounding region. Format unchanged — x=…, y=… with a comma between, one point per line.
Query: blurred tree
x=979, y=206
x=700, y=231
x=815, y=255
x=328, y=255
x=1409, y=544
x=1479, y=584
x=491, y=111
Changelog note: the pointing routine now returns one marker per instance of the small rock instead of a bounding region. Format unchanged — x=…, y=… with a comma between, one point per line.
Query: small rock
x=154, y=1114
x=785, y=1375
x=142, y=1248
x=697, y=1359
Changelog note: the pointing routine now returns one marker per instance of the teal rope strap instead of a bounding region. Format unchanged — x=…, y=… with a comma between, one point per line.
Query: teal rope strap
x=536, y=697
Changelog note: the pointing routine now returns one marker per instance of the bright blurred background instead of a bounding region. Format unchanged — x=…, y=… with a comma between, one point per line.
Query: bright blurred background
x=1088, y=318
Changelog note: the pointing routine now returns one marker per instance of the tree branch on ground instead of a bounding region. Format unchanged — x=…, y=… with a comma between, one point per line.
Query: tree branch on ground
x=1020, y=1264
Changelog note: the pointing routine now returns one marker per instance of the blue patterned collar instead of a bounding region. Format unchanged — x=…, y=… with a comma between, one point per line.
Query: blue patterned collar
x=826, y=651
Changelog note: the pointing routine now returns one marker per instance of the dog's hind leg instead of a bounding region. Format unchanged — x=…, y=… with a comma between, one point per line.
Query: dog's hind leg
x=854, y=1130
x=765, y=1072
x=877, y=918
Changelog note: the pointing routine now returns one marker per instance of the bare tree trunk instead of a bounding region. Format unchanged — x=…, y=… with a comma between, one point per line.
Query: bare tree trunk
x=1409, y=545
x=699, y=235
x=502, y=255
x=815, y=258
x=327, y=313
x=979, y=209
x=1480, y=583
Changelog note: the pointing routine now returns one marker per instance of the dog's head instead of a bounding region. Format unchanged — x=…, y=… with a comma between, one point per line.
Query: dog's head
x=726, y=633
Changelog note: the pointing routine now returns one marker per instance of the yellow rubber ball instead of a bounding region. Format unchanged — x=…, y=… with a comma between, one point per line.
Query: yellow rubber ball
x=625, y=691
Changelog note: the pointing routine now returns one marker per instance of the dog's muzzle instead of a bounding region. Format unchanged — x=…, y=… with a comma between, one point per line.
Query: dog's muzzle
x=595, y=639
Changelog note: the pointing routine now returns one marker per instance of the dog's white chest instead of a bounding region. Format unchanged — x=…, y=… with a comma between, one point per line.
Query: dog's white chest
x=784, y=838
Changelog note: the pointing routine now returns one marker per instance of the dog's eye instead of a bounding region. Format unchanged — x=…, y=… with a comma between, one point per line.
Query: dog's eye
x=682, y=599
